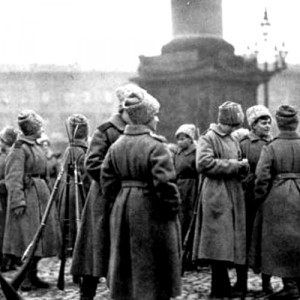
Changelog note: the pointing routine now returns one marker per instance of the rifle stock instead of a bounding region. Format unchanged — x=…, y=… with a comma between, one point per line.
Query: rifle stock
x=30, y=250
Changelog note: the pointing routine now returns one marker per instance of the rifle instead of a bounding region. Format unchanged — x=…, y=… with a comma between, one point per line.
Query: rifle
x=189, y=237
x=73, y=163
x=30, y=250
x=61, y=274
x=9, y=292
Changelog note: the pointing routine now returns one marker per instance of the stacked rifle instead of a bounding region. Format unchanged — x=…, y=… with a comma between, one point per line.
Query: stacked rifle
x=10, y=288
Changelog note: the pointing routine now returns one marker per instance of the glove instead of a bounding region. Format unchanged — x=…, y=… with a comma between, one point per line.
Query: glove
x=19, y=211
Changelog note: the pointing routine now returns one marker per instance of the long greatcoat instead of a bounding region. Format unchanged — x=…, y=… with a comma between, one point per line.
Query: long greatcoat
x=25, y=179
x=3, y=199
x=222, y=234
x=74, y=153
x=187, y=182
x=251, y=146
x=275, y=246
x=138, y=176
x=91, y=252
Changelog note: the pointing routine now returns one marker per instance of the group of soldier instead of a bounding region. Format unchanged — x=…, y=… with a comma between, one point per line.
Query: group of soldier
x=233, y=193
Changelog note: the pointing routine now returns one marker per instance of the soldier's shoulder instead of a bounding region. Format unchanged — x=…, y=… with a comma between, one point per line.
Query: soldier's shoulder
x=158, y=137
x=18, y=144
x=105, y=126
x=272, y=141
x=244, y=139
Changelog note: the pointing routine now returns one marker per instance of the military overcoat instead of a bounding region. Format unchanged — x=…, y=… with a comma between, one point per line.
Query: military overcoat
x=25, y=179
x=221, y=234
x=3, y=198
x=91, y=250
x=251, y=146
x=73, y=154
x=138, y=176
x=187, y=182
x=276, y=241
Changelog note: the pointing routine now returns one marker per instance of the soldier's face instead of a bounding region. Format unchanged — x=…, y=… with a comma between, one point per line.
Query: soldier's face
x=262, y=127
x=153, y=123
x=183, y=141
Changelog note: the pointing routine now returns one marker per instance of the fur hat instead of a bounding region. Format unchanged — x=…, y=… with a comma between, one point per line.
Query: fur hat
x=188, y=129
x=255, y=112
x=287, y=117
x=124, y=92
x=141, y=107
x=78, y=126
x=29, y=122
x=8, y=135
x=230, y=113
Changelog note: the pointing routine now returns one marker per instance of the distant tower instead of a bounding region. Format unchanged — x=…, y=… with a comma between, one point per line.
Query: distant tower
x=197, y=70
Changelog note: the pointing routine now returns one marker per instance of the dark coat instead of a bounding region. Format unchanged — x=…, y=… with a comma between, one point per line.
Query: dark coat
x=25, y=179
x=251, y=146
x=276, y=242
x=187, y=182
x=91, y=252
x=222, y=234
x=75, y=153
x=3, y=198
x=138, y=176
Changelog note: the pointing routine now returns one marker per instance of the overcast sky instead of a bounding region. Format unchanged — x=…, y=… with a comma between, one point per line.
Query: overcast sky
x=110, y=34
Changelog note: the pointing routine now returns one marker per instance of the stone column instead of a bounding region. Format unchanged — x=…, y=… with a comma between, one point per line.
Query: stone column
x=197, y=70
x=197, y=17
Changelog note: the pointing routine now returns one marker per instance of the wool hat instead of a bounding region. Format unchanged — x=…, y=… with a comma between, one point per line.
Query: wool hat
x=29, y=122
x=124, y=91
x=188, y=129
x=287, y=117
x=78, y=126
x=230, y=113
x=255, y=112
x=141, y=107
x=8, y=135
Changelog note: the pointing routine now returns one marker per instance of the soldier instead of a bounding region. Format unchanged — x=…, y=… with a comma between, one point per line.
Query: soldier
x=75, y=153
x=222, y=237
x=138, y=179
x=90, y=258
x=28, y=194
x=275, y=248
x=7, y=138
x=53, y=163
x=186, y=173
x=259, y=120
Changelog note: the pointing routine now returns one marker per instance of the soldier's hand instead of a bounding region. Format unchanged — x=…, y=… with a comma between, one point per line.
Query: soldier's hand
x=19, y=211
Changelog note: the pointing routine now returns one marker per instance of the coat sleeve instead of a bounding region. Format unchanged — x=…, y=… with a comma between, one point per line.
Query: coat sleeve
x=14, y=177
x=263, y=175
x=96, y=153
x=109, y=179
x=164, y=178
x=208, y=164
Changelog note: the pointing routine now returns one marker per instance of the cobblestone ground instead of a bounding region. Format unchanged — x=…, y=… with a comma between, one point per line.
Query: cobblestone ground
x=196, y=285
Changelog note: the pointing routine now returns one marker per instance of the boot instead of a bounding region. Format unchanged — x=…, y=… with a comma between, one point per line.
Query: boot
x=35, y=280
x=26, y=285
x=88, y=286
x=266, y=284
x=240, y=287
x=220, y=283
